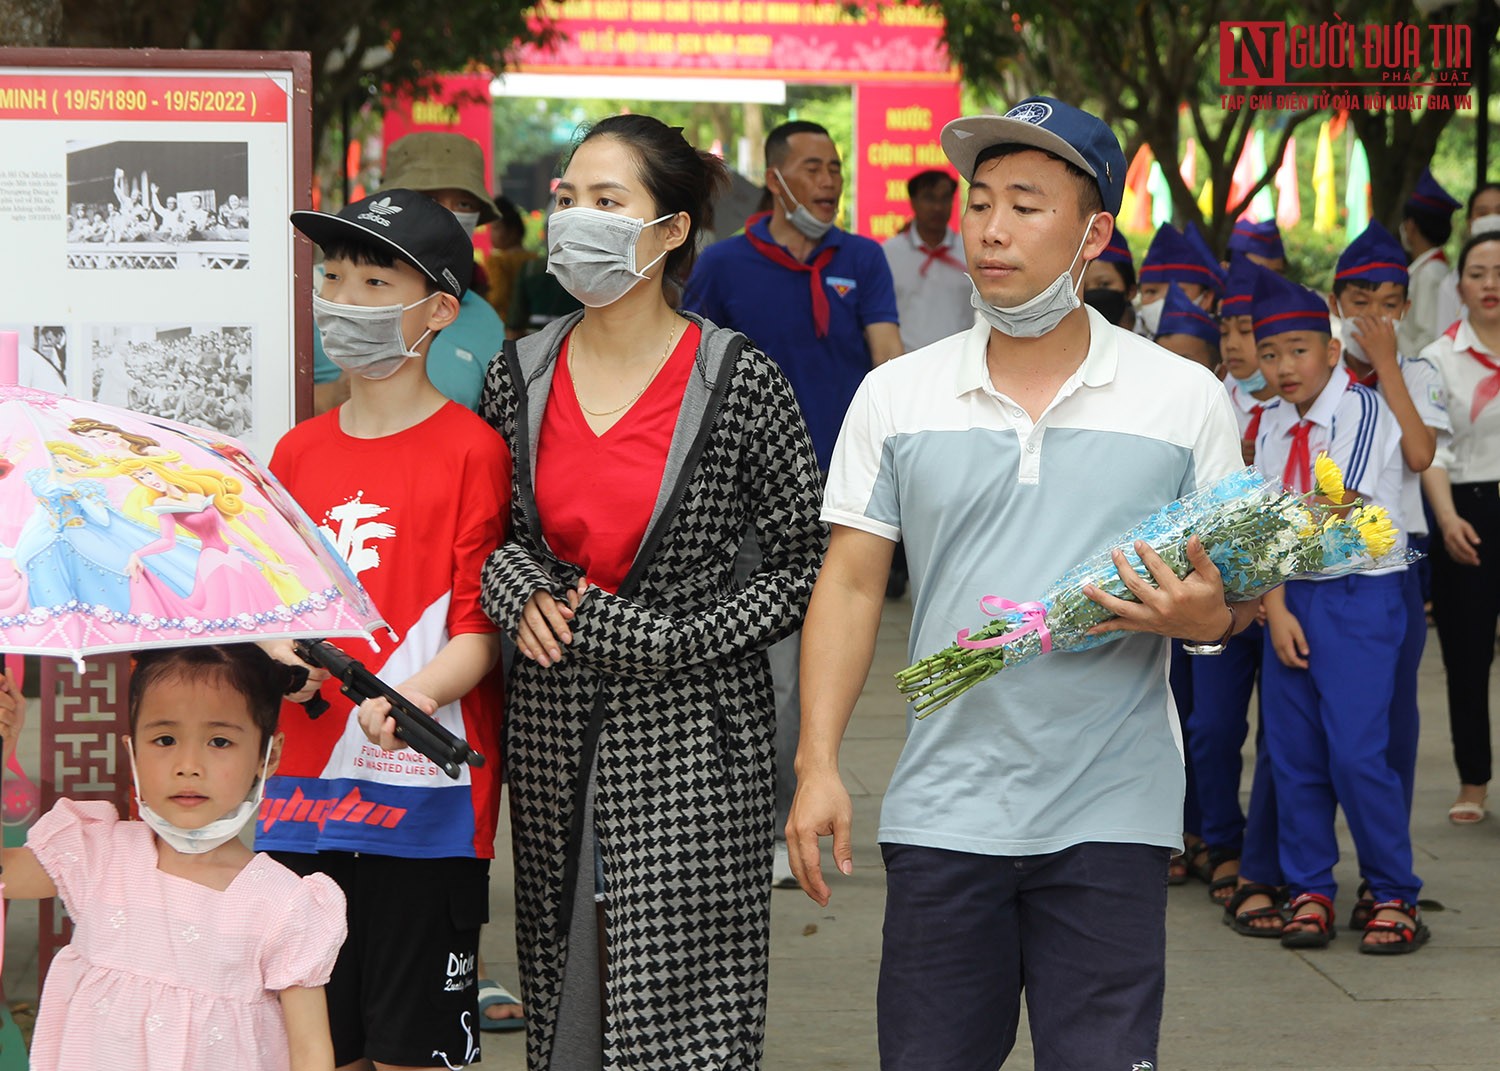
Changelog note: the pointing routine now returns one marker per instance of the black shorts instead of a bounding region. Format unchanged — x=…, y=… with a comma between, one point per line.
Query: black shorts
x=405, y=988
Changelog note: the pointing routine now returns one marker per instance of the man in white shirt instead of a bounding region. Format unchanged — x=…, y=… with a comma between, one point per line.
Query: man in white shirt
x=927, y=264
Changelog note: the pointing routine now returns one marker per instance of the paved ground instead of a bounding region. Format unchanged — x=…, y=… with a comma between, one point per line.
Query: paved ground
x=1232, y=1003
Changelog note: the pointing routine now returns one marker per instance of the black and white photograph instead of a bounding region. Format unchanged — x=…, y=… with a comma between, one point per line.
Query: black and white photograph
x=43, y=353
x=194, y=373
x=158, y=204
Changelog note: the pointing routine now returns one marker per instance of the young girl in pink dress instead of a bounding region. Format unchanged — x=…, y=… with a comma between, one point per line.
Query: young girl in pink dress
x=189, y=950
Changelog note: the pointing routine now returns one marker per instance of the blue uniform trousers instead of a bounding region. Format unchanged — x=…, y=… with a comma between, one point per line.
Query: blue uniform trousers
x=1222, y=686
x=1406, y=720
x=1328, y=731
x=1180, y=678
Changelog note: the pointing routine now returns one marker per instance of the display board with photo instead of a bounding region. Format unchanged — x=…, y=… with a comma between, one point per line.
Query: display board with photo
x=143, y=231
x=194, y=374
x=158, y=204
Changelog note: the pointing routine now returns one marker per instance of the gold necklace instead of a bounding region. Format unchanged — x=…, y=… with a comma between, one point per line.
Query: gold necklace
x=573, y=349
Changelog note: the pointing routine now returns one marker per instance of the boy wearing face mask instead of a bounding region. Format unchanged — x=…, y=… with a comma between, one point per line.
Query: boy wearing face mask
x=1175, y=257
x=449, y=168
x=413, y=489
x=1370, y=298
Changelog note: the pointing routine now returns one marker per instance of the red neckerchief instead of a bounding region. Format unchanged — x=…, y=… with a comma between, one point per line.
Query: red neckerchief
x=1298, y=471
x=777, y=255
x=1488, y=387
x=940, y=253
x=1252, y=430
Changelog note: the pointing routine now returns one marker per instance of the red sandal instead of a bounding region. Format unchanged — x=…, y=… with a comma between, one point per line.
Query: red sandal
x=1319, y=928
x=1412, y=935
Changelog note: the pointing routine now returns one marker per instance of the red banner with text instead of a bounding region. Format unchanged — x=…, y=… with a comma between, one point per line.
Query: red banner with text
x=152, y=97
x=793, y=40
x=896, y=130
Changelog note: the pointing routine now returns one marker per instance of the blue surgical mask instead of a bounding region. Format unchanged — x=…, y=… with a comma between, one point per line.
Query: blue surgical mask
x=1252, y=384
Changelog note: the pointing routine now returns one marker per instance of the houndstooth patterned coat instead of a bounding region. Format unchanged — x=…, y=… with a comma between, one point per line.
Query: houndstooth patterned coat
x=662, y=712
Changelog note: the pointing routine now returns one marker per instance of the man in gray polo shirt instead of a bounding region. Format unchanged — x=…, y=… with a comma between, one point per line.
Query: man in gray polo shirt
x=1028, y=825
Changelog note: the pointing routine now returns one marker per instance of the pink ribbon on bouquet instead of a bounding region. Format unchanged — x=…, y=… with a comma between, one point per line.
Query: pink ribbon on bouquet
x=1033, y=619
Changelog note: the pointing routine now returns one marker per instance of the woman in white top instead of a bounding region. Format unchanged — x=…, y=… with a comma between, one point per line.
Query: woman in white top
x=1462, y=488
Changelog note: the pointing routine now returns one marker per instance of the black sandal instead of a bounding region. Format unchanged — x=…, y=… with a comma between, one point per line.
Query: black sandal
x=1200, y=862
x=1364, y=907
x=1320, y=923
x=1217, y=857
x=1413, y=935
x=1242, y=922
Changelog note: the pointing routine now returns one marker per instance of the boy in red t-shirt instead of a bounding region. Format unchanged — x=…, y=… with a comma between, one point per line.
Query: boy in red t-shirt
x=414, y=492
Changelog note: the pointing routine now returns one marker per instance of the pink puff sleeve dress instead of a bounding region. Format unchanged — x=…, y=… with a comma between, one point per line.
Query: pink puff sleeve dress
x=164, y=974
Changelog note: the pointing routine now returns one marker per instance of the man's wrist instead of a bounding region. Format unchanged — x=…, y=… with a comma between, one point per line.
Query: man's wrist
x=1213, y=646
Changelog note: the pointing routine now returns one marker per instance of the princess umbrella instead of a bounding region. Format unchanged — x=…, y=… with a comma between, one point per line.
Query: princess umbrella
x=120, y=531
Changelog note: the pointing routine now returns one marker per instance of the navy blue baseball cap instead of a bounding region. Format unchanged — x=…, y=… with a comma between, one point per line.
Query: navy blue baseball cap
x=1083, y=140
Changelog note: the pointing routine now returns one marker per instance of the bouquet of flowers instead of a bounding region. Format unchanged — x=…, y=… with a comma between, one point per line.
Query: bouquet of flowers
x=1257, y=534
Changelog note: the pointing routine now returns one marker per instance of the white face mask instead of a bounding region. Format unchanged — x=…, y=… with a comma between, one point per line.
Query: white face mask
x=366, y=340
x=206, y=838
x=1344, y=331
x=592, y=253
x=469, y=221
x=809, y=225
x=1040, y=314
x=1148, y=317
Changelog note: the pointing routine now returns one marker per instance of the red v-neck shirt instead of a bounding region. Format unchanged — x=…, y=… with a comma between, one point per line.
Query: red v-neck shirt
x=595, y=493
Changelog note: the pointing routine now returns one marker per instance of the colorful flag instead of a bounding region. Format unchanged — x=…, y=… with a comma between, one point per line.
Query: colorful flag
x=1189, y=168
x=1325, y=201
x=1137, y=176
x=1357, y=193
x=1239, y=184
x=1262, y=207
x=1161, y=195
x=1289, y=198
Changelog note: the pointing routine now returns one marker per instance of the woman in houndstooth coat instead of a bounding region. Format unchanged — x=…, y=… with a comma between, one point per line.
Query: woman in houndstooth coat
x=640, y=762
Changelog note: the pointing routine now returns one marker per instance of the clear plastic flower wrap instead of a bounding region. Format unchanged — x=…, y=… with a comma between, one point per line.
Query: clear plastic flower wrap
x=1257, y=534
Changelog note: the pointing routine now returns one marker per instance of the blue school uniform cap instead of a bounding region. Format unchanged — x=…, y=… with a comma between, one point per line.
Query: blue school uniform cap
x=1239, y=287
x=1262, y=239
x=1118, y=250
x=1375, y=256
x=1084, y=140
x=1431, y=198
x=1279, y=306
x=1179, y=316
x=1173, y=257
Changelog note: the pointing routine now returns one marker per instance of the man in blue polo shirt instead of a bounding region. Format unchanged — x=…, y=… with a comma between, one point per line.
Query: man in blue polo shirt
x=1027, y=826
x=821, y=303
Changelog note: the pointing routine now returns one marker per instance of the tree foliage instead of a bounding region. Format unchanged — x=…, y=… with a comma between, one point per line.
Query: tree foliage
x=1151, y=68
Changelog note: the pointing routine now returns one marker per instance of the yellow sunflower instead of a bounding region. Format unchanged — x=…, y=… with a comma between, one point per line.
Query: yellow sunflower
x=1329, y=480
x=1375, y=528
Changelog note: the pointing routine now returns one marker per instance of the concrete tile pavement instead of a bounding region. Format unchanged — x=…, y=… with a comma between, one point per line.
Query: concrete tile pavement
x=1231, y=1002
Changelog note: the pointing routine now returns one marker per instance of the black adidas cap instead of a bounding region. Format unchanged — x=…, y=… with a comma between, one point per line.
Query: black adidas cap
x=411, y=225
